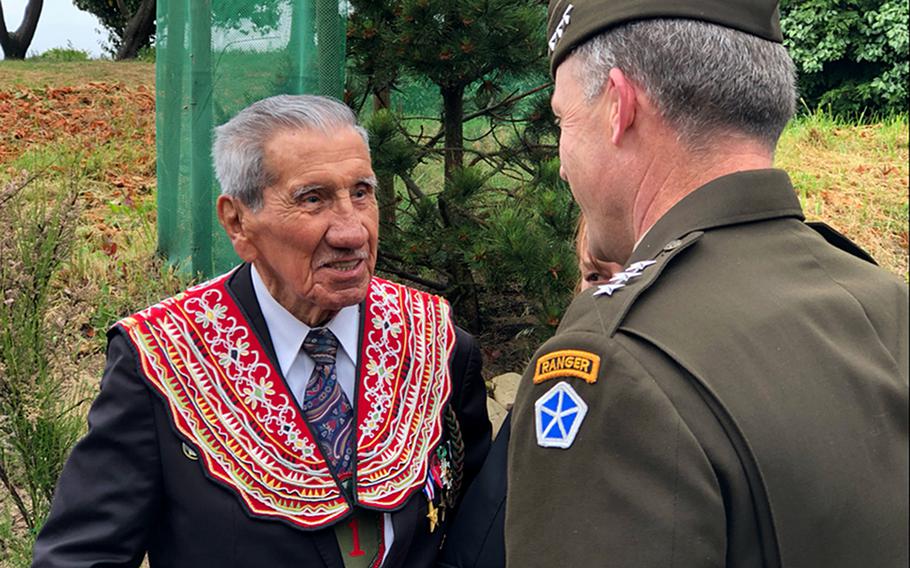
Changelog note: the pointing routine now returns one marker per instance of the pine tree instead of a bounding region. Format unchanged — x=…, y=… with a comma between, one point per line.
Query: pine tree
x=478, y=231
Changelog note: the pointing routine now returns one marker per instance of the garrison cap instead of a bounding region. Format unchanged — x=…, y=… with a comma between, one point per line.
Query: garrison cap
x=572, y=22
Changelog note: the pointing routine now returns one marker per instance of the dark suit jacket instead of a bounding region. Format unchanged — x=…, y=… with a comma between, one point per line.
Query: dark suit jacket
x=475, y=538
x=129, y=488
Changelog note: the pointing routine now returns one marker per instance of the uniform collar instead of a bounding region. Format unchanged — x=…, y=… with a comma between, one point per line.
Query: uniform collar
x=740, y=197
x=288, y=332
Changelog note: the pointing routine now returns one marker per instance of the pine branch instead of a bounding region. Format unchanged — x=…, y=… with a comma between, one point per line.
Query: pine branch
x=439, y=287
x=505, y=102
x=413, y=189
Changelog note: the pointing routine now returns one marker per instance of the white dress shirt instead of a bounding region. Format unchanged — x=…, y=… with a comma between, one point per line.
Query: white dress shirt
x=288, y=332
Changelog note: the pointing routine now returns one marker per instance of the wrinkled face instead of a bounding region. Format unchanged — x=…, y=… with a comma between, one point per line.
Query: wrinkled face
x=588, y=160
x=314, y=239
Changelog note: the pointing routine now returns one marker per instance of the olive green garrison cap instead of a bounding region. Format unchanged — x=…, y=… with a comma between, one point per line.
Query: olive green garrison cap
x=572, y=22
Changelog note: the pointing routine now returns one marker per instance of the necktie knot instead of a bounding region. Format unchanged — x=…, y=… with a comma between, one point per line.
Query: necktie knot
x=322, y=345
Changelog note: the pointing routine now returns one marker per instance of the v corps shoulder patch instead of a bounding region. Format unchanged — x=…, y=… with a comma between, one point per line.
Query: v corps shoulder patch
x=567, y=363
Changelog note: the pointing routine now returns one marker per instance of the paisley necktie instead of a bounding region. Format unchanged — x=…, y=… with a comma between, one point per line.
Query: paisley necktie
x=327, y=409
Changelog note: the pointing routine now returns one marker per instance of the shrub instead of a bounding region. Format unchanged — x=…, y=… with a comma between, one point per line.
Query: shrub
x=37, y=425
x=68, y=53
x=146, y=54
x=851, y=54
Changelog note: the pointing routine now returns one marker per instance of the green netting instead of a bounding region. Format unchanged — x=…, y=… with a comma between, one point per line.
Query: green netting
x=215, y=57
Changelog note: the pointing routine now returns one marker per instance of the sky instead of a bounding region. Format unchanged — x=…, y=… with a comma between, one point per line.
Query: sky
x=60, y=22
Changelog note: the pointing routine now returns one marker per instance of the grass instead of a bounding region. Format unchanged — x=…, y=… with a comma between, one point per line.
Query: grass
x=35, y=73
x=70, y=123
x=854, y=178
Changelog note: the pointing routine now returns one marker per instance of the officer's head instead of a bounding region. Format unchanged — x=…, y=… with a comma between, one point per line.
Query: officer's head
x=639, y=81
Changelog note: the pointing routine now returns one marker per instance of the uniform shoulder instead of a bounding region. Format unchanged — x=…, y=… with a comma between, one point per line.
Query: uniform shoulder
x=601, y=310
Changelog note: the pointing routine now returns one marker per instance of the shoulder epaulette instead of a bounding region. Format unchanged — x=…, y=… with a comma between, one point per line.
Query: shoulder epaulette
x=627, y=286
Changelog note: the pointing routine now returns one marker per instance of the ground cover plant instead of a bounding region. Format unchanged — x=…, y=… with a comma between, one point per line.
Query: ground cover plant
x=81, y=134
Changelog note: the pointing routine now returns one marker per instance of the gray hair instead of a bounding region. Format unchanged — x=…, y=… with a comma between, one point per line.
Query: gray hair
x=703, y=78
x=239, y=143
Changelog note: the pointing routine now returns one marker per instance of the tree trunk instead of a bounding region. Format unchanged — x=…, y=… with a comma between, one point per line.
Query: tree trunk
x=15, y=44
x=453, y=115
x=463, y=291
x=138, y=30
x=388, y=202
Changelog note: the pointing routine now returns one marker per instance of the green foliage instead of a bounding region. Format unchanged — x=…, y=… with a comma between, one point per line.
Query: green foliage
x=458, y=43
x=469, y=140
x=146, y=54
x=527, y=247
x=68, y=53
x=37, y=427
x=852, y=55
x=114, y=21
x=15, y=548
x=392, y=152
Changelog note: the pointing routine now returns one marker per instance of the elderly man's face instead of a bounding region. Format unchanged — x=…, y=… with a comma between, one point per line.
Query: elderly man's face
x=314, y=239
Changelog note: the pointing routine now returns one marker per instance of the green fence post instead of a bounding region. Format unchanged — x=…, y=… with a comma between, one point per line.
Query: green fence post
x=302, y=48
x=169, y=94
x=330, y=35
x=201, y=177
x=214, y=58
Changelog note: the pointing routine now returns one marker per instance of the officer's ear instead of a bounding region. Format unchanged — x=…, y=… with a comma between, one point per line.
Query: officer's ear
x=621, y=92
x=238, y=222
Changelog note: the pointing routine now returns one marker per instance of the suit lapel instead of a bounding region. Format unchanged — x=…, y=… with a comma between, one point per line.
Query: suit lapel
x=240, y=286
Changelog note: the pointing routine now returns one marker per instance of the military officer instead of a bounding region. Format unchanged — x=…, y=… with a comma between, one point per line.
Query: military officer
x=737, y=395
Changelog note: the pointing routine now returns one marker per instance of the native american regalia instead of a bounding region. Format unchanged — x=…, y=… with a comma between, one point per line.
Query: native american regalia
x=205, y=360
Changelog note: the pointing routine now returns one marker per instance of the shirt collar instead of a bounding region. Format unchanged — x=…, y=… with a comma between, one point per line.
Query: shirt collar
x=288, y=332
x=740, y=197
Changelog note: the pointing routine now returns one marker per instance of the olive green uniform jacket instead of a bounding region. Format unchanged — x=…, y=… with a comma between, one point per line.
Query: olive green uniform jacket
x=750, y=407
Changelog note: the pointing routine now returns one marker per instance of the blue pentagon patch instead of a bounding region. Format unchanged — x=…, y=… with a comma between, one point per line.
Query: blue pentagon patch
x=558, y=415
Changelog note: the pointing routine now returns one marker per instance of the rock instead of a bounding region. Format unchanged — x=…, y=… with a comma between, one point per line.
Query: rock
x=504, y=389
x=497, y=414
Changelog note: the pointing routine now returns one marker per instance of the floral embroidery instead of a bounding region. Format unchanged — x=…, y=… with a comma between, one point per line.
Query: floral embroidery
x=258, y=391
x=233, y=354
x=383, y=323
x=210, y=315
x=379, y=370
x=224, y=395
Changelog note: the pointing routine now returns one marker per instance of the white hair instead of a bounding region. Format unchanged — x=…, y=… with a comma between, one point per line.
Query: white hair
x=239, y=143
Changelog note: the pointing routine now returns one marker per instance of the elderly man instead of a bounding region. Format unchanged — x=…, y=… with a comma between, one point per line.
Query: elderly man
x=737, y=396
x=295, y=412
